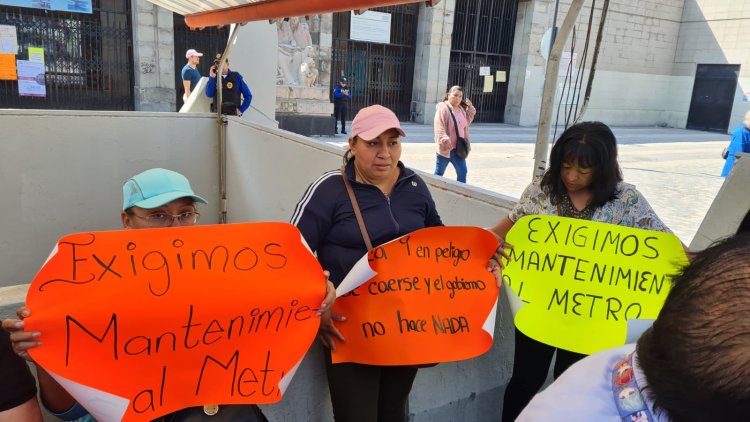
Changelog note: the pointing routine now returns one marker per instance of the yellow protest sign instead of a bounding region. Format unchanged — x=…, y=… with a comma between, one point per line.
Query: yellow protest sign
x=576, y=284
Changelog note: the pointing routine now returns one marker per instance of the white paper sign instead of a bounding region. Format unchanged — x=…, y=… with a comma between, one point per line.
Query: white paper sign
x=8, y=39
x=484, y=70
x=371, y=26
x=31, y=79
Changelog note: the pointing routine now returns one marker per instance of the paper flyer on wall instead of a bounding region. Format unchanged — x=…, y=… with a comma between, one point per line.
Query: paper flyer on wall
x=8, y=67
x=8, y=39
x=31, y=79
x=36, y=54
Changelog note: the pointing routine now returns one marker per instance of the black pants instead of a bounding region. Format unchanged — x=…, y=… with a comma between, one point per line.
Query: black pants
x=367, y=393
x=530, y=367
x=340, y=112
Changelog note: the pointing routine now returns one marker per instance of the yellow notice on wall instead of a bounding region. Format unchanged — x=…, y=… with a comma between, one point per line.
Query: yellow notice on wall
x=8, y=67
x=580, y=285
x=36, y=54
x=489, y=81
x=500, y=76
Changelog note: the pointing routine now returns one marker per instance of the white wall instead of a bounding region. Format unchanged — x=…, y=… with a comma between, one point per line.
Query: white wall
x=638, y=99
x=62, y=172
x=647, y=62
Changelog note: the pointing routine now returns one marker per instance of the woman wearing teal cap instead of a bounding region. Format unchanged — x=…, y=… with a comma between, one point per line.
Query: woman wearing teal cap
x=151, y=199
x=159, y=198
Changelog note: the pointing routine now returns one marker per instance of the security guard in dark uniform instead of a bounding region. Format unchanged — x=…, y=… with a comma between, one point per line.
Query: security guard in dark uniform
x=235, y=95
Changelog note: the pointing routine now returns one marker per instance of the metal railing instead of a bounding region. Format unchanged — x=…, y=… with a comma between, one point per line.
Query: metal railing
x=88, y=57
x=483, y=33
x=377, y=73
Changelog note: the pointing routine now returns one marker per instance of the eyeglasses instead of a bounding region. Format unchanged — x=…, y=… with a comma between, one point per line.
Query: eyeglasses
x=161, y=219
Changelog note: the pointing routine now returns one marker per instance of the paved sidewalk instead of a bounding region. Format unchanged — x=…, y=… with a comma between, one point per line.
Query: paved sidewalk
x=677, y=170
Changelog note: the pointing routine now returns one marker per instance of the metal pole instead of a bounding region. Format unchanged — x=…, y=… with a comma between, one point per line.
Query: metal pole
x=553, y=34
x=221, y=129
x=550, y=87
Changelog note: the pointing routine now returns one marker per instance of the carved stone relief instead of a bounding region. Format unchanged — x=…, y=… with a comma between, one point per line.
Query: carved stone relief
x=296, y=54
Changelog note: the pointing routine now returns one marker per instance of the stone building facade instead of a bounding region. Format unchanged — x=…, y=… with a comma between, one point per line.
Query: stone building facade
x=678, y=63
x=650, y=55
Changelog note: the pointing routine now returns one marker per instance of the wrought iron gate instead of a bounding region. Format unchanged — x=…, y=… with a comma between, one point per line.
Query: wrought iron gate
x=208, y=41
x=377, y=73
x=483, y=37
x=713, y=97
x=88, y=57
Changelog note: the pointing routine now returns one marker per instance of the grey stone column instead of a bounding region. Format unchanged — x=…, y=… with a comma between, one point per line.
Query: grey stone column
x=527, y=66
x=153, y=57
x=433, y=52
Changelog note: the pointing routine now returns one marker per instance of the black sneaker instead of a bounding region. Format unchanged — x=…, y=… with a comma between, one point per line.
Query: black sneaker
x=343, y=131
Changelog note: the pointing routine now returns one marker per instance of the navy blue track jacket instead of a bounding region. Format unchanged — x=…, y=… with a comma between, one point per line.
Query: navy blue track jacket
x=325, y=216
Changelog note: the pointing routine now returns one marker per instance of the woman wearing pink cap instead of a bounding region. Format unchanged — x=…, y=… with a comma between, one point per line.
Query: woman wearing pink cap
x=394, y=201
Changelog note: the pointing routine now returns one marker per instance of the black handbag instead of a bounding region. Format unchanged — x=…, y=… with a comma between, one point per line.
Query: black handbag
x=463, y=147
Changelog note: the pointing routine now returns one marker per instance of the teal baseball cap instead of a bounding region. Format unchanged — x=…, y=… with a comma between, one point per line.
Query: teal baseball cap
x=156, y=187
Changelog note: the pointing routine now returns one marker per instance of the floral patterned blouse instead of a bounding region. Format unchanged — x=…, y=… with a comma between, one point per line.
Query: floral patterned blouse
x=629, y=208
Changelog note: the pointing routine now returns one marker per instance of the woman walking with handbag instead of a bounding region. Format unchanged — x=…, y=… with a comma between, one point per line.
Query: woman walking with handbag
x=453, y=116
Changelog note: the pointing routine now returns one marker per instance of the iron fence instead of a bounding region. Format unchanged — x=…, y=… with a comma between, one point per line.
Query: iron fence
x=483, y=38
x=378, y=73
x=88, y=58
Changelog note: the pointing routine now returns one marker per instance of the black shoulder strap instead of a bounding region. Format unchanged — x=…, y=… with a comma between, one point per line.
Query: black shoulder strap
x=357, y=212
x=455, y=123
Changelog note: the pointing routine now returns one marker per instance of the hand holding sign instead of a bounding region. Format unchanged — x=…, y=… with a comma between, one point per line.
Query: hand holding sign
x=140, y=323
x=576, y=284
x=425, y=297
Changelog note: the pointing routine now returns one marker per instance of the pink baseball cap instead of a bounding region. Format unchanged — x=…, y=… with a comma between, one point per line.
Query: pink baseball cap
x=190, y=53
x=371, y=121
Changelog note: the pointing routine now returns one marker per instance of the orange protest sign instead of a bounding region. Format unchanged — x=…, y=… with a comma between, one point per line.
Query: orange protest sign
x=425, y=297
x=141, y=323
x=8, y=67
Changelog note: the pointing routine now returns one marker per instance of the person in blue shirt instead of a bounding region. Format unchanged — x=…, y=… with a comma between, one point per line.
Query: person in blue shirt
x=341, y=98
x=740, y=143
x=190, y=73
x=235, y=95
